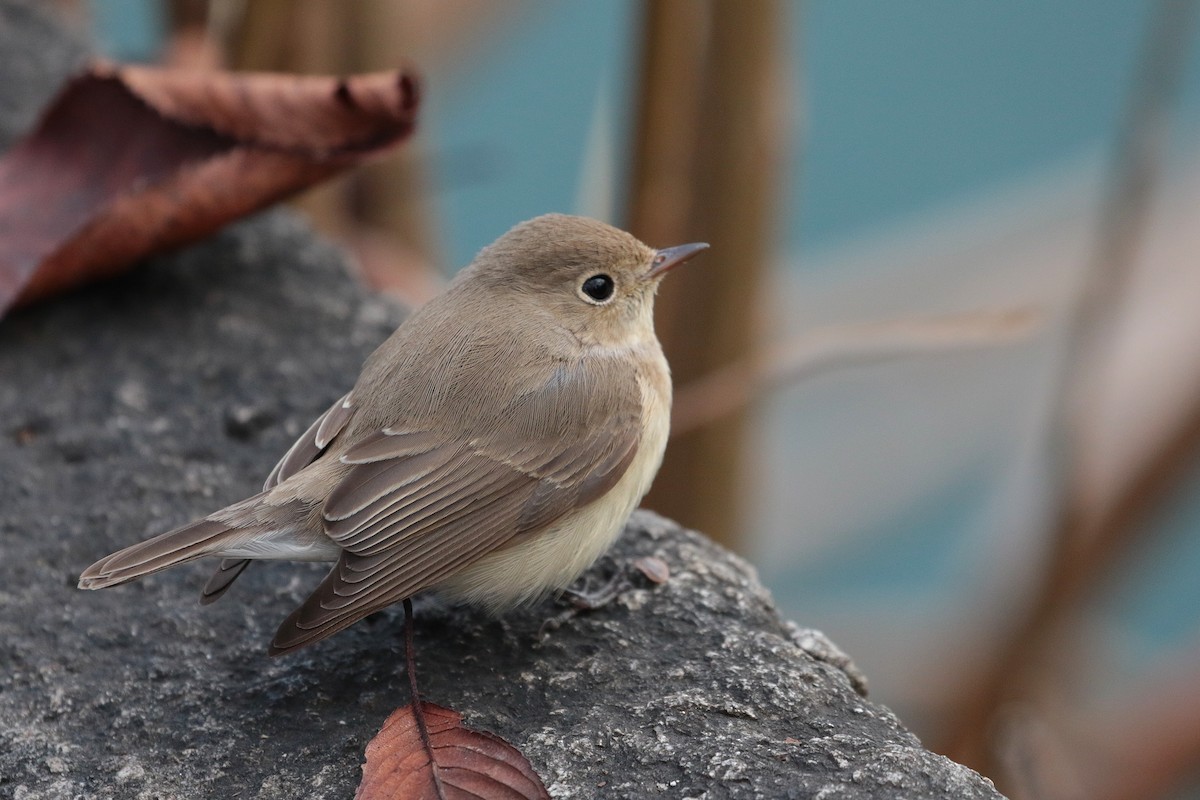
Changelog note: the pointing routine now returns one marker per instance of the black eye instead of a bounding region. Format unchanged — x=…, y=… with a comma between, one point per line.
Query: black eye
x=598, y=287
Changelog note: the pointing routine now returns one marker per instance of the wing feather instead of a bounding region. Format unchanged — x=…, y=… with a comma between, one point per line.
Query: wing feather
x=375, y=480
x=311, y=444
x=418, y=504
x=439, y=505
x=387, y=444
x=313, y=441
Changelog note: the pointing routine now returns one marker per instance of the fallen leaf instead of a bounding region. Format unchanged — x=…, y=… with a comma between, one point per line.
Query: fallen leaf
x=130, y=161
x=653, y=568
x=458, y=763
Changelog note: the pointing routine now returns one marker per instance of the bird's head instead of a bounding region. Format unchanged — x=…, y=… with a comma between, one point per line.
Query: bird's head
x=594, y=279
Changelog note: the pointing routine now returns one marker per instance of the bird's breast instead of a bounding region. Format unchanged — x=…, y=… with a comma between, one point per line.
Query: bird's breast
x=553, y=558
x=654, y=383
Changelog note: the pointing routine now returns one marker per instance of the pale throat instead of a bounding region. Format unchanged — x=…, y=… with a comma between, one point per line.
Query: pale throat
x=634, y=338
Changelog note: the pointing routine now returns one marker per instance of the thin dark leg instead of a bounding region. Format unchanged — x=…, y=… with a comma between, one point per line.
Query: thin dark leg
x=624, y=575
x=582, y=600
x=586, y=599
x=599, y=587
x=410, y=656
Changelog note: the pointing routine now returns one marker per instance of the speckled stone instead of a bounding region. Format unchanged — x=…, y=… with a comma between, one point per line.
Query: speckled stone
x=137, y=405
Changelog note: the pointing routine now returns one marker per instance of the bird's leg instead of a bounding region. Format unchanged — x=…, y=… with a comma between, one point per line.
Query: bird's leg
x=410, y=656
x=624, y=572
x=621, y=579
x=587, y=598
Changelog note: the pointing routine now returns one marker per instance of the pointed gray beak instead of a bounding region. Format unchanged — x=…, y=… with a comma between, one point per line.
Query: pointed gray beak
x=668, y=258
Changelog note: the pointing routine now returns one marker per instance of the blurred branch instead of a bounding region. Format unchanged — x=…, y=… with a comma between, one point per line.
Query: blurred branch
x=1084, y=545
x=734, y=387
x=310, y=39
x=190, y=40
x=1144, y=745
x=1155, y=746
x=1038, y=754
x=382, y=211
x=708, y=153
x=673, y=48
x=395, y=236
x=74, y=12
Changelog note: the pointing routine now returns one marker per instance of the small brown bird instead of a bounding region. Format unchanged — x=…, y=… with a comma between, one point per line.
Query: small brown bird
x=491, y=450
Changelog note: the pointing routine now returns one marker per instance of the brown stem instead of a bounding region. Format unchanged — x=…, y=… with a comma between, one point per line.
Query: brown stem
x=709, y=148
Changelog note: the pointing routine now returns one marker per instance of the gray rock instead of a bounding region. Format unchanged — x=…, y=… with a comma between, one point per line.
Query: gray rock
x=139, y=404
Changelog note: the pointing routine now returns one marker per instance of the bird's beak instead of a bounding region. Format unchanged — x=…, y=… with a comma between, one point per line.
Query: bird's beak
x=668, y=258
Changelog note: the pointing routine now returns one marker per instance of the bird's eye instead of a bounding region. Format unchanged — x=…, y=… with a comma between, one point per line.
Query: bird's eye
x=598, y=288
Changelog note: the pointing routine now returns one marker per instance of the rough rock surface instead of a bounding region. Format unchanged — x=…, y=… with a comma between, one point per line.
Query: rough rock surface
x=131, y=407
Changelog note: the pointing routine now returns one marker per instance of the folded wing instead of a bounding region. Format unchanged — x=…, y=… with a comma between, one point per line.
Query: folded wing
x=419, y=504
x=311, y=444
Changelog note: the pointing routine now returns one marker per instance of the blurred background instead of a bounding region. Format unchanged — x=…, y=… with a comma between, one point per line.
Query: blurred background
x=938, y=378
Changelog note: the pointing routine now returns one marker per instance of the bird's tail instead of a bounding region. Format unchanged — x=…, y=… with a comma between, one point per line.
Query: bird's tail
x=196, y=540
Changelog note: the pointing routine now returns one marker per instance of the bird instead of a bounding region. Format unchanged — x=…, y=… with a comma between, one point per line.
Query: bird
x=490, y=450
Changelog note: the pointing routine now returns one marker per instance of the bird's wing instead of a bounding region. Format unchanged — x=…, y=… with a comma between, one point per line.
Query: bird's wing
x=303, y=452
x=312, y=442
x=417, y=505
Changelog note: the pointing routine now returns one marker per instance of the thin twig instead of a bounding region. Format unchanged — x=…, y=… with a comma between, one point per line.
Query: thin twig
x=734, y=387
x=1081, y=549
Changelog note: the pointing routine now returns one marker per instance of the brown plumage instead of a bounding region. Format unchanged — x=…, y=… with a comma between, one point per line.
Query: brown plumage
x=490, y=450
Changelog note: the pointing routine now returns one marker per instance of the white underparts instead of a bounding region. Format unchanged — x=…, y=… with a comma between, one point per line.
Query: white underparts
x=282, y=546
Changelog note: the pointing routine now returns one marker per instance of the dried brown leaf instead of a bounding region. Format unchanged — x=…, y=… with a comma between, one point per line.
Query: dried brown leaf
x=131, y=161
x=653, y=568
x=459, y=763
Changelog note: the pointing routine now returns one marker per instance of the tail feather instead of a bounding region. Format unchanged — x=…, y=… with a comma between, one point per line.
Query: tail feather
x=222, y=579
x=199, y=539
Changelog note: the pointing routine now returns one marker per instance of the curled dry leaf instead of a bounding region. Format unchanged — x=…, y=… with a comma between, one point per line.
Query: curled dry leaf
x=131, y=161
x=457, y=763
